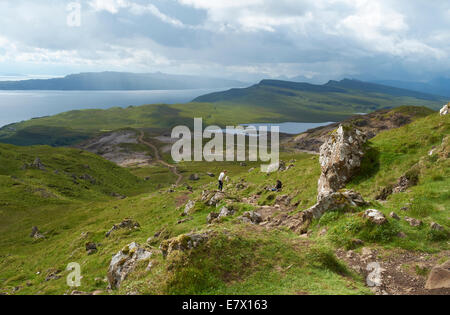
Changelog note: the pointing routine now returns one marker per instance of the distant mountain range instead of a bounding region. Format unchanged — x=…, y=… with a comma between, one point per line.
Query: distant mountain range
x=121, y=81
x=335, y=96
x=438, y=86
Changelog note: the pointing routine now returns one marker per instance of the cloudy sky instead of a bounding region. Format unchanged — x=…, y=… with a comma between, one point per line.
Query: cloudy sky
x=244, y=39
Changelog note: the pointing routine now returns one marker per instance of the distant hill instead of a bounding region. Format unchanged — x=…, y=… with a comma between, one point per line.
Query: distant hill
x=121, y=81
x=270, y=101
x=438, y=86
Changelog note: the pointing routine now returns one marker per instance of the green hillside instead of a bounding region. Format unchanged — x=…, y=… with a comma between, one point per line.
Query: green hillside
x=267, y=102
x=238, y=258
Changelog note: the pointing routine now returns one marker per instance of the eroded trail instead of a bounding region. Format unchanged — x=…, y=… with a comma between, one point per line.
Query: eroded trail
x=172, y=168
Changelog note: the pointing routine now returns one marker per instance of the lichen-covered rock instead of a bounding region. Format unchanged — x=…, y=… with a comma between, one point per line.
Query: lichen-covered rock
x=439, y=277
x=189, y=207
x=445, y=109
x=124, y=262
x=375, y=216
x=125, y=224
x=184, y=242
x=335, y=201
x=340, y=158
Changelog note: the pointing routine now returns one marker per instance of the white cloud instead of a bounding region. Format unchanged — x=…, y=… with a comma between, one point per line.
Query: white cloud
x=114, y=6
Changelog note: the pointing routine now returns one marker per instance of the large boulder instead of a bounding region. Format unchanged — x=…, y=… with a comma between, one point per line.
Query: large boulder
x=439, y=277
x=340, y=158
x=124, y=262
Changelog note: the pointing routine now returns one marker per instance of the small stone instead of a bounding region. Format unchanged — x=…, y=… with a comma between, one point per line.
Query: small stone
x=394, y=215
x=212, y=217
x=375, y=216
x=437, y=227
x=402, y=235
x=413, y=222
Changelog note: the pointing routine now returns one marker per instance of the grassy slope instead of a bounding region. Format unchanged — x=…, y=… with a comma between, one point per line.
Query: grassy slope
x=241, y=259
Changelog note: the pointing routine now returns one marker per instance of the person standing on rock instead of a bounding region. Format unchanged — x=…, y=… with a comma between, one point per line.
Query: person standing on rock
x=221, y=179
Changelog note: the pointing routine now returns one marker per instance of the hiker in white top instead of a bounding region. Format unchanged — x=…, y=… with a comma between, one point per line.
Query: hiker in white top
x=221, y=179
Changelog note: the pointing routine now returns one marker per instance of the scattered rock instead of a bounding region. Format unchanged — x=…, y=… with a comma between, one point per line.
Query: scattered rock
x=406, y=181
x=189, y=207
x=210, y=174
x=437, y=227
x=445, y=110
x=118, y=196
x=251, y=217
x=212, y=198
x=91, y=248
x=36, y=234
x=225, y=212
x=413, y=222
x=184, y=242
x=212, y=217
x=184, y=220
x=402, y=235
x=194, y=177
x=439, y=277
x=37, y=164
x=124, y=262
x=323, y=232
x=125, y=224
x=394, y=215
x=53, y=275
x=375, y=216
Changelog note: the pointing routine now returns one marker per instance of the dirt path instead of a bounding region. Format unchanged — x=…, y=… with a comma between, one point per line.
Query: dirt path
x=172, y=168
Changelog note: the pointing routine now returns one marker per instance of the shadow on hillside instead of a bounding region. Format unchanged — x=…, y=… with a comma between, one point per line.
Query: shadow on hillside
x=370, y=165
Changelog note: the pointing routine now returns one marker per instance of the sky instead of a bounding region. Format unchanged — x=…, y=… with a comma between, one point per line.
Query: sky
x=314, y=40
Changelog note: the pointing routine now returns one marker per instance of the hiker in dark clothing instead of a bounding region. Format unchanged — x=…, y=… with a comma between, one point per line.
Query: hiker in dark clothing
x=278, y=187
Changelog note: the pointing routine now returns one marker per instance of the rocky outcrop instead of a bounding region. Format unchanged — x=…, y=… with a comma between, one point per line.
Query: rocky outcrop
x=184, y=242
x=445, y=110
x=413, y=222
x=439, y=277
x=125, y=224
x=340, y=158
x=124, y=262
